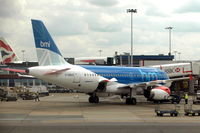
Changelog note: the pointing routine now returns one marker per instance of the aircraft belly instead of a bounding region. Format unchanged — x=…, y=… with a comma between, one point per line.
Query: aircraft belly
x=60, y=81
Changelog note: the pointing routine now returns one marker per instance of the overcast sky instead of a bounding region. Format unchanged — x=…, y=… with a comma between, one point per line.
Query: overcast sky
x=82, y=27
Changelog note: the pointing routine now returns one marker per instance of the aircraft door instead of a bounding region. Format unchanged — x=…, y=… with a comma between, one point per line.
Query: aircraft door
x=77, y=78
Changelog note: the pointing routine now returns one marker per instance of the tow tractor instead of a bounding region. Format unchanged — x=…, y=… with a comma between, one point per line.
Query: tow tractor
x=190, y=111
x=173, y=112
x=175, y=98
x=172, y=99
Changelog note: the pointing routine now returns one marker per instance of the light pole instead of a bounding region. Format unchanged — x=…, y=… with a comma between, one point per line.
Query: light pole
x=100, y=52
x=131, y=11
x=179, y=55
x=169, y=28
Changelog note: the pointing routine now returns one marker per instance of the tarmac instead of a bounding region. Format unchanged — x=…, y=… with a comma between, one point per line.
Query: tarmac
x=71, y=112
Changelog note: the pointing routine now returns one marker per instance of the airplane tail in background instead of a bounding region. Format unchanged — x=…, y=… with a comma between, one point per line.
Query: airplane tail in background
x=47, y=51
x=8, y=56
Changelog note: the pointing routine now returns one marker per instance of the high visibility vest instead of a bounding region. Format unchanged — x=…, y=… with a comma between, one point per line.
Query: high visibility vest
x=186, y=96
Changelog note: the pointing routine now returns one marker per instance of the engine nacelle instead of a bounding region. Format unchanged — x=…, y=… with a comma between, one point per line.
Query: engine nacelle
x=160, y=93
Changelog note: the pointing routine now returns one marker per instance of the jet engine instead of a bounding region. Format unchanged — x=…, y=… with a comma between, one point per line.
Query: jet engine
x=157, y=93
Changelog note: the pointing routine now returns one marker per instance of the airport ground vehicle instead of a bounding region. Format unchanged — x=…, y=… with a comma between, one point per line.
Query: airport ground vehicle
x=175, y=98
x=7, y=96
x=54, y=90
x=28, y=96
x=190, y=111
x=172, y=112
x=42, y=90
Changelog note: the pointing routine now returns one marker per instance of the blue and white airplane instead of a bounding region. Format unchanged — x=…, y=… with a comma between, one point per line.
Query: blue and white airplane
x=95, y=81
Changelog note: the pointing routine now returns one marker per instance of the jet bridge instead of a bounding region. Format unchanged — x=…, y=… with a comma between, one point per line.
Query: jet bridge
x=178, y=70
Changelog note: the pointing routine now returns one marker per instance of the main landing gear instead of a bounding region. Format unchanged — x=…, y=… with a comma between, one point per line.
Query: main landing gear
x=131, y=100
x=93, y=99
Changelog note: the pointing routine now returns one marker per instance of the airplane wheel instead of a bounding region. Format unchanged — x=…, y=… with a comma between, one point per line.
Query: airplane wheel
x=132, y=101
x=94, y=99
x=128, y=101
x=90, y=99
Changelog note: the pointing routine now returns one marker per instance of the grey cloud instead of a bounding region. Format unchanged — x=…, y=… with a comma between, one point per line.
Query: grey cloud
x=193, y=6
x=67, y=25
x=103, y=2
x=9, y=8
x=103, y=27
x=186, y=27
x=112, y=39
x=155, y=12
x=98, y=24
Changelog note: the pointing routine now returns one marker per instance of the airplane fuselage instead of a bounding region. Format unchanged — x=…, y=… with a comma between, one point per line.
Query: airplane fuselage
x=128, y=75
x=86, y=78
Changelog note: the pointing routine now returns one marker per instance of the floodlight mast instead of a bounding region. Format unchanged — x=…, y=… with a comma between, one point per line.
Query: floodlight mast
x=131, y=11
x=170, y=44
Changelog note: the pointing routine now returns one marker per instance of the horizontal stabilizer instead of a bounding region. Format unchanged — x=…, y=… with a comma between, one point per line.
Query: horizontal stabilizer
x=57, y=71
x=25, y=76
x=14, y=70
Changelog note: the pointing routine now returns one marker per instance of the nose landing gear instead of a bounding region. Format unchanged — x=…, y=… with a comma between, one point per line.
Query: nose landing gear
x=93, y=99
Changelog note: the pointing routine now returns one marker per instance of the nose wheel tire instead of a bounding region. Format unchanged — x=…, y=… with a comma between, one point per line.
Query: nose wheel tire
x=94, y=99
x=131, y=101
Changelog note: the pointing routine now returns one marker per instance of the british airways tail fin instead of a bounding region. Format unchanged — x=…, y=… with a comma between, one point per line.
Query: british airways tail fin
x=47, y=51
x=7, y=54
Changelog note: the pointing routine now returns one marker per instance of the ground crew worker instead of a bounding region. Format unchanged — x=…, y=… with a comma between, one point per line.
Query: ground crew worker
x=186, y=98
x=37, y=97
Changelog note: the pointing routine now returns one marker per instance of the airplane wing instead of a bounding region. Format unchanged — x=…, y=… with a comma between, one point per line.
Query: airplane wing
x=143, y=84
x=178, y=79
x=24, y=71
x=151, y=83
x=113, y=81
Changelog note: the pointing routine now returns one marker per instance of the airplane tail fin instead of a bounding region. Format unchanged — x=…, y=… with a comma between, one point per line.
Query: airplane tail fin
x=47, y=51
x=8, y=56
